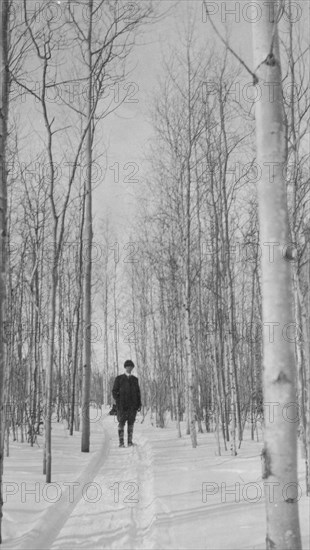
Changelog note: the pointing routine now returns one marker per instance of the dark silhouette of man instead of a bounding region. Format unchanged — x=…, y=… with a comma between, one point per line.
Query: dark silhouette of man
x=126, y=393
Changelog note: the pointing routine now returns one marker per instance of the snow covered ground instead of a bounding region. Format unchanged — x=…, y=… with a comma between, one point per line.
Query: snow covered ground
x=160, y=494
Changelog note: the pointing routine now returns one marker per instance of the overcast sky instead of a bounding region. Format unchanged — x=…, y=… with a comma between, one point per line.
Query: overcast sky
x=128, y=131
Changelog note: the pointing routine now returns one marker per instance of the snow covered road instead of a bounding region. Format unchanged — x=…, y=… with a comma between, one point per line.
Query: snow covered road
x=160, y=494
x=118, y=510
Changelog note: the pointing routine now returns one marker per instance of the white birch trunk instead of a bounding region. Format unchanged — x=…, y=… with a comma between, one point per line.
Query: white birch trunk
x=279, y=378
x=189, y=373
x=85, y=442
x=4, y=9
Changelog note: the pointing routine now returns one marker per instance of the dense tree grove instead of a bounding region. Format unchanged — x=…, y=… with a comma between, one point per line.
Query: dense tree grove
x=183, y=298
x=67, y=85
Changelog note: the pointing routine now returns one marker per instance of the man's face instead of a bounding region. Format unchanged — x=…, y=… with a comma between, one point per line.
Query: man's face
x=128, y=369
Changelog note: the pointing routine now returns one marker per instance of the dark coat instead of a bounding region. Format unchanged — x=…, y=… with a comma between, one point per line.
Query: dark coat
x=126, y=393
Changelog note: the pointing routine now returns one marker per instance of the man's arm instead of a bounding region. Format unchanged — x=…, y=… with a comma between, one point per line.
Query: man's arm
x=139, y=395
x=115, y=390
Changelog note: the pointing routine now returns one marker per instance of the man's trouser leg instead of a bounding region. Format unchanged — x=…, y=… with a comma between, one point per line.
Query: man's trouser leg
x=131, y=420
x=121, y=424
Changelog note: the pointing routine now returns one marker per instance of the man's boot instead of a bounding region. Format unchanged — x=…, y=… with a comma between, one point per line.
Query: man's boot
x=121, y=437
x=130, y=432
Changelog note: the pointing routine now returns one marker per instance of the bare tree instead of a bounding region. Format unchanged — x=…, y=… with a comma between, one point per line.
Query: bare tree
x=297, y=108
x=4, y=80
x=280, y=446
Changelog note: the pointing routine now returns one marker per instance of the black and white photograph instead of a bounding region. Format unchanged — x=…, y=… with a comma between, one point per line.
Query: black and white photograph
x=154, y=274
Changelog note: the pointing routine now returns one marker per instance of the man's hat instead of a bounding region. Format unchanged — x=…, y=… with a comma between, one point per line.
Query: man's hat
x=128, y=363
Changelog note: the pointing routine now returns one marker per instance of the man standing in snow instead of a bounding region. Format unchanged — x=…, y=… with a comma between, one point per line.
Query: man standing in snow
x=126, y=393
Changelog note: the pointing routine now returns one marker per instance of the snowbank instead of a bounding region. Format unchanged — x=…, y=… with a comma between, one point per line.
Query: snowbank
x=159, y=494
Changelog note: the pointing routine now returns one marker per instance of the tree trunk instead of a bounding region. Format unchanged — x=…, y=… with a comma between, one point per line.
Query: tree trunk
x=189, y=377
x=302, y=354
x=88, y=267
x=4, y=12
x=280, y=445
x=78, y=310
x=116, y=327
x=47, y=460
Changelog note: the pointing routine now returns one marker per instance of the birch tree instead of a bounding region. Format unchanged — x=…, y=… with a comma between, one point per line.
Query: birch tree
x=279, y=377
x=4, y=14
x=104, y=40
x=297, y=107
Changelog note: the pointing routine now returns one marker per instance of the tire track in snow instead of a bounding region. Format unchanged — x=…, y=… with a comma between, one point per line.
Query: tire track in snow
x=107, y=524
x=123, y=524
x=54, y=517
x=98, y=523
x=143, y=532
x=152, y=535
